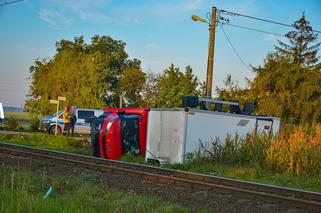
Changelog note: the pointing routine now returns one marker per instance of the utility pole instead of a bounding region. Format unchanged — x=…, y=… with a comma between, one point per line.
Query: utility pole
x=210, y=61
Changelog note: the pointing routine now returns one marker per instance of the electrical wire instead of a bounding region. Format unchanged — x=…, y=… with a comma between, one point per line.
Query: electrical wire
x=235, y=51
x=260, y=19
x=253, y=29
x=6, y=2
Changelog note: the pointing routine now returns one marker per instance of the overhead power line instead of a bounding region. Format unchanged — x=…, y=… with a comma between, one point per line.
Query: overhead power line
x=260, y=19
x=6, y=2
x=230, y=43
x=253, y=29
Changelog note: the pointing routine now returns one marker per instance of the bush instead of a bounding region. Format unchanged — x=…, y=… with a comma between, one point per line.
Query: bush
x=227, y=152
x=11, y=123
x=34, y=123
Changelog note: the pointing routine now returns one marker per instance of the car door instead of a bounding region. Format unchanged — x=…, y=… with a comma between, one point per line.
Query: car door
x=81, y=126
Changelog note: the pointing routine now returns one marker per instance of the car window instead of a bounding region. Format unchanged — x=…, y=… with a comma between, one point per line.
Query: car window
x=83, y=114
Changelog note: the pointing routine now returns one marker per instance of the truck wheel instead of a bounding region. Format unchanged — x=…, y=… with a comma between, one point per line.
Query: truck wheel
x=52, y=130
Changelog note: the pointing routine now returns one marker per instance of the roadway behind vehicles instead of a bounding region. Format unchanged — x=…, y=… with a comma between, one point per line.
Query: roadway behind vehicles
x=48, y=123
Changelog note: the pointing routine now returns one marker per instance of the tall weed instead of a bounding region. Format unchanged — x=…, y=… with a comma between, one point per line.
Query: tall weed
x=297, y=149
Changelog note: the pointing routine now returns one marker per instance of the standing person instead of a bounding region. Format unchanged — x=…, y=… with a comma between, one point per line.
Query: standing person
x=73, y=120
x=67, y=120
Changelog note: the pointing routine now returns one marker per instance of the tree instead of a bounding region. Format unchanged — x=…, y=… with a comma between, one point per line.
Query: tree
x=173, y=85
x=286, y=89
x=131, y=85
x=150, y=90
x=231, y=90
x=288, y=83
x=301, y=49
x=84, y=73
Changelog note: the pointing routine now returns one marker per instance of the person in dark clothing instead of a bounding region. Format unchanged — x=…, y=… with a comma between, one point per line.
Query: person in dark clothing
x=72, y=120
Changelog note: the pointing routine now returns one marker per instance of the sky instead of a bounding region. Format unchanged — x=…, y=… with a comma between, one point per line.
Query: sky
x=157, y=32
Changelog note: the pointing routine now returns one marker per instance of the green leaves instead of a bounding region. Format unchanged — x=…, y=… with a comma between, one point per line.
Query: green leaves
x=98, y=74
x=302, y=49
x=286, y=89
x=82, y=72
x=287, y=84
x=132, y=83
x=173, y=85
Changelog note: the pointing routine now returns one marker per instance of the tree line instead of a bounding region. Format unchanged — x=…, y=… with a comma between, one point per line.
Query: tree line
x=100, y=73
x=288, y=84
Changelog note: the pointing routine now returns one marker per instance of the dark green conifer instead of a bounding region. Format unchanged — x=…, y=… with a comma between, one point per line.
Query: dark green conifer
x=302, y=49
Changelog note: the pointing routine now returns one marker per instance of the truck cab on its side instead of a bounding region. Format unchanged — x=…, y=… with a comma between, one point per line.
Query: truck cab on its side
x=119, y=131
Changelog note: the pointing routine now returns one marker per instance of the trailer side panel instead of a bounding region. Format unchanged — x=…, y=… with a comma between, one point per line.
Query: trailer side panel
x=206, y=127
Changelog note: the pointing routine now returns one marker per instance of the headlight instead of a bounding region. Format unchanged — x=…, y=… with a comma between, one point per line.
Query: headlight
x=108, y=126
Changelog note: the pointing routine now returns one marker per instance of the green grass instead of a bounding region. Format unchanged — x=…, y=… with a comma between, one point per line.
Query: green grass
x=18, y=115
x=133, y=159
x=23, y=118
x=67, y=144
x=311, y=183
x=59, y=143
x=22, y=191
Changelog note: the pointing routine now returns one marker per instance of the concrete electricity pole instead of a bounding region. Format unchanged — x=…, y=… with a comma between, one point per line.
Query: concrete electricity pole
x=210, y=61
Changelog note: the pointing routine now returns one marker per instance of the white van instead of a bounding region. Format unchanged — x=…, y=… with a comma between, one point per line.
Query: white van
x=1, y=113
x=48, y=123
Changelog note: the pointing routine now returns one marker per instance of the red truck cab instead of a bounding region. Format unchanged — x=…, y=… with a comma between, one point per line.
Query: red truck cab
x=122, y=130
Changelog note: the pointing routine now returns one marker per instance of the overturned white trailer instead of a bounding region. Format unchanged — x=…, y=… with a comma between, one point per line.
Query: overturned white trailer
x=173, y=133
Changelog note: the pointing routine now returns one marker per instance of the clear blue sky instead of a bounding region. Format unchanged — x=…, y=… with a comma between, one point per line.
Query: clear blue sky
x=157, y=32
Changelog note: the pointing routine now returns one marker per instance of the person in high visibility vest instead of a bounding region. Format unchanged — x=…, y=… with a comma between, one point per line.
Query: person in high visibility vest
x=67, y=120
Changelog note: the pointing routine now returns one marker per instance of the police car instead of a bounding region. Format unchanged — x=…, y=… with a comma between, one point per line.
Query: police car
x=48, y=123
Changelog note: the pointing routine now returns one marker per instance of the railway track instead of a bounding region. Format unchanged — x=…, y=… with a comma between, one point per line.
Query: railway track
x=293, y=197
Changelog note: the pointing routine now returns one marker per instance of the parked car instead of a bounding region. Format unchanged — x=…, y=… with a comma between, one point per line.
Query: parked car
x=48, y=123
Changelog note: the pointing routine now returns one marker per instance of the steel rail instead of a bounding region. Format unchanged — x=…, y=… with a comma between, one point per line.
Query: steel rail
x=299, y=198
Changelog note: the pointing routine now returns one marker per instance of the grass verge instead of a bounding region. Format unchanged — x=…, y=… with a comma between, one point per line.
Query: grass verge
x=242, y=172
x=286, y=179
x=59, y=143
x=22, y=191
x=23, y=121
